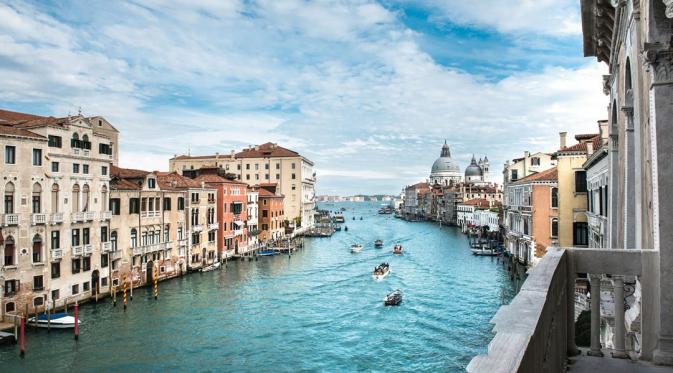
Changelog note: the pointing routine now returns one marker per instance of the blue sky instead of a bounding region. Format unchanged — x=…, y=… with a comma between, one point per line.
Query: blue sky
x=366, y=89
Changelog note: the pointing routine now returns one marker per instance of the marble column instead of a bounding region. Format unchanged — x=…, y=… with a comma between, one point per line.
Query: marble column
x=595, y=316
x=620, y=329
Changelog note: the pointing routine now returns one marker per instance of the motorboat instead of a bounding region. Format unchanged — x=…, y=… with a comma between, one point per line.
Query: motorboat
x=397, y=249
x=56, y=320
x=339, y=218
x=355, y=248
x=267, y=252
x=485, y=252
x=360, y=217
x=337, y=228
x=343, y=209
x=353, y=217
x=211, y=267
x=346, y=228
x=381, y=271
x=393, y=299
x=378, y=243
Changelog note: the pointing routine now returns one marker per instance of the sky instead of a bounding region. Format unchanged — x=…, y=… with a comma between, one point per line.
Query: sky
x=366, y=89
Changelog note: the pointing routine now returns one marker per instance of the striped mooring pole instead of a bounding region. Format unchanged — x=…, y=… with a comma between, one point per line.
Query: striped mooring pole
x=124, y=289
x=156, y=285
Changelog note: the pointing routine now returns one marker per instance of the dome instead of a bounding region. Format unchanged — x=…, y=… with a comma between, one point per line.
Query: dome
x=444, y=164
x=445, y=170
x=473, y=169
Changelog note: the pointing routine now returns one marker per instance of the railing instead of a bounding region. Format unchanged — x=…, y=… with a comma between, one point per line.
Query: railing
x=168, y=245
x=183, y=243
x=238, y=232
x=88, y=249
x=57, y=254
x=11, y=219
x=117, y=254
x=89, y=215
x=213, y=226
x=77, y=250
x=39, y=219
x=197, y=228
x=57, y=218
x=137, y=251
x=150, y=214
x=536, y=331
x=105, y=247
x=106, y=215
x=77, y=217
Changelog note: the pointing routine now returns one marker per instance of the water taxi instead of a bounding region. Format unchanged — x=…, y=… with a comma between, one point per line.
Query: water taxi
x=393, y=299
x=397, y=249
x=485, y=252
x=355, y=248
x=378, y=243
x=381, y=271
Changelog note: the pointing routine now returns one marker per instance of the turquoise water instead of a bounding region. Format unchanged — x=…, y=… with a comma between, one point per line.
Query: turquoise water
x=319, y=310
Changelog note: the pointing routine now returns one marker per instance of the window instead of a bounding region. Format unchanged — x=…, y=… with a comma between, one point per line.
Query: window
x=85, y=143
x=166, y=233
x=196, y=238
x=10, y=154
x=554, y=228
x=167, y=204
x=605, y=200
x=554, y=197
x=294, y=176
x=37, y=198
x=103, y=234
x=181, y=203
x=105, y=149
x=195, y=217
x=266, y=166
x=75, y=168
x=55, y=240
x=85, y=169
x=75, y=237
x=54, y=141
x=37, y=249
x=247, y=177
x=85, y=236
x=75, y=289
x=9, y=198
x=256, y=167
x=195, y=197
x=134, y=237
x=151, y=183
x=55, y=294
x=115, y=206
x=86, y=264
x=38, y=301
x=277, y=176
x=113, y=241
x=580, y=181
x=247, y=166
x=76, y=266
x=134, y=206
x=55, y=269
x=294, y=166
x=103, y=170
x=265, y=213
x=38, y=282
x=211, y=236
x=9, y=251
x=256, y=176
x=535, y=161
x=74, y=141
x=37, y=157
x=11, y=287
x=54, y=166
x=580, y=234
x=10, y=307
x=515, y=175
x=277, y=166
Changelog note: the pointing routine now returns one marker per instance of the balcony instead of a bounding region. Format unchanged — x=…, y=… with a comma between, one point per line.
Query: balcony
x=183, y=243
x=77, y=250
x=213, y=226
x=150, y=214
x=536, y=331
x=197, y=228
x=39, y=219
x=238, y=232
x=11, y=219
x=105, y=247
x=137, y=251
x=56, y=254
x=88, y=249
x=89, y=216
x=57, y=218
x=77, y=217
x=117, y=254
x=106, y=215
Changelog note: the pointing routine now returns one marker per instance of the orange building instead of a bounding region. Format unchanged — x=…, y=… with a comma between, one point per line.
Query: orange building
x=271, y=213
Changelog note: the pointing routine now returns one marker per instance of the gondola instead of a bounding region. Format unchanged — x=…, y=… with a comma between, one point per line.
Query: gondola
x=381, y=271
x=393, y=299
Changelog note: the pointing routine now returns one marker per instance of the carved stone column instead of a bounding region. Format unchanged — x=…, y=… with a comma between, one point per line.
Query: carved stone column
x=620, y=330
x=595, y=316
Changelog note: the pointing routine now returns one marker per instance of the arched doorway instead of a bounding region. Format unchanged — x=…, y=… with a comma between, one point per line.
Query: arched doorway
x=149, y=272
x=95, y=282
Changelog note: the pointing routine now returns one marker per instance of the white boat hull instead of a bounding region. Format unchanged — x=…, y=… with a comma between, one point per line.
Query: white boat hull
x=67, y=322
x=211, y=267
x=356, y=249
x=382, y=276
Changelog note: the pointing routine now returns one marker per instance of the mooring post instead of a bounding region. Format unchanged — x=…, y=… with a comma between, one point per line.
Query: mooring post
x=16, y=330
x=48, y=319
x=22, y=337
x=114, y=296
x=76, y=321
x=156, y=286
x=124, y=291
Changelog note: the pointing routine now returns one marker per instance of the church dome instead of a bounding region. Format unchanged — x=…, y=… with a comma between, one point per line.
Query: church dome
x=473, y=170
x=444, y=163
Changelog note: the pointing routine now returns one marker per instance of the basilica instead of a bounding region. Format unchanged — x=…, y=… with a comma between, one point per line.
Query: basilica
x=446, y=171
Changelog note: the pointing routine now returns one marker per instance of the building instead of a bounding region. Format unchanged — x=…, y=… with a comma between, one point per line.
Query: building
x=54, y=222
x=410, y=208
x=596, y=167
x=477, y=173
x=529, y=164
x=445, y=171
x=266, y=163
x=271, y=214
x=466, y=212
x=531, y=215
x=232, y=213
x=253, y=218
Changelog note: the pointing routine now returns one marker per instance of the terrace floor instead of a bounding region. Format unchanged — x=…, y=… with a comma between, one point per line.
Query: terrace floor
x=589, y=364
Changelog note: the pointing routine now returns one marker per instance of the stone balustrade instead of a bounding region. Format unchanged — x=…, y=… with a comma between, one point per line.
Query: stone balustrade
x=57, y=218
x=536, y=331
x=11, y=219
x=39, y=219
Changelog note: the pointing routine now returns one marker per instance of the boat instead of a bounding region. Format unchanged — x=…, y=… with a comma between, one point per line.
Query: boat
x=393, y=299
x=360, y=217
x=346, y=229
x=337, y=228
x=381, y=271
x=339, y=218
x=397, y=249
x=343, y=209
x=353, y=217
x=355, y=248
x=485, y=252
x=266, y=253
x=378, y=243
x=211, y=267
x=58, y=321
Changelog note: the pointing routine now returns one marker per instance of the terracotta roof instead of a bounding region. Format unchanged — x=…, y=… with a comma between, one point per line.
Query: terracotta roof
x=479, y=202
x=547, y=175
x=211, y=178
x=13, y=116
x=268, y=150
x=13, y=131
x=265, y=193
x=582, y=145
x=585, y=136
x=175, y=181
x=127, y=173
x=123, y=184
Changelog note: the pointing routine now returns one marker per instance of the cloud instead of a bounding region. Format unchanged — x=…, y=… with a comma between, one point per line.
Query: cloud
x=345, y=83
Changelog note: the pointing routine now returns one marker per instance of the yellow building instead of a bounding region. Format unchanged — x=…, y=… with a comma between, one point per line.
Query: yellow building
x=572, y=195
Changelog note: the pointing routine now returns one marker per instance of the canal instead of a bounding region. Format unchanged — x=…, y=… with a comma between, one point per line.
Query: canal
x=319, y=310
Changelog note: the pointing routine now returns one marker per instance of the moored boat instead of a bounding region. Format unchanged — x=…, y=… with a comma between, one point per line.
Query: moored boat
x=355, y=248
x=211, y=267
x=56, y=320
x=346, y=228
x=485, y=252
x=393, y=299
x=397, y=249
x=381, y=271
x=378, y=243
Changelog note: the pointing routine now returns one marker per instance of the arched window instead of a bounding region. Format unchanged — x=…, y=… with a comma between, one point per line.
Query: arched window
x=54, y=198
x=554, y=197
x=75, y=198
x=10, y=253
x=37, y=198
x=75, y=142
x=9, y=198
x=113, y=240
x=157, y=236
x=37, y=249
x=85, y=198
x=85, y=142
x=166, y=232
x=143, y=240
x=554, y=228
x=134, y=238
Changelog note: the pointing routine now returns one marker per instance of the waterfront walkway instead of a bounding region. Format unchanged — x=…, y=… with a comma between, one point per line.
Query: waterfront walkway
x=589, y=364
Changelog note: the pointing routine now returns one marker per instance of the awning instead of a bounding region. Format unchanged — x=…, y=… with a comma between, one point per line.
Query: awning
x=239, y=223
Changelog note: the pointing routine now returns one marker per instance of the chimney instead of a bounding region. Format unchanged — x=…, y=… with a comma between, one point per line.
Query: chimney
x=203, y=185
x=217, y=155
x=526, y=154
x=562, y=138
x=590, y=147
